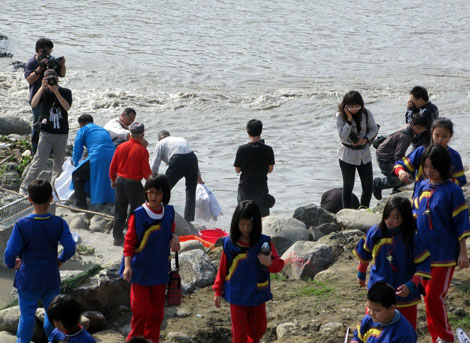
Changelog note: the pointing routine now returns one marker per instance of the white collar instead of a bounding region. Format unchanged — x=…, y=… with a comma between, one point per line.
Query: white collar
x=152, y=214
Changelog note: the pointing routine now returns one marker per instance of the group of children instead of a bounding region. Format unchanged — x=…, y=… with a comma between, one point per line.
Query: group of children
x=414, y=250
x=417, y=246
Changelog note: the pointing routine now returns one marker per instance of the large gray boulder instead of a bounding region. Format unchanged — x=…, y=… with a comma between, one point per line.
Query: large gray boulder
x=196, y=270
x=284, y=231
x=304, y=260
x=7, y=337
x=104, y=291
x=313, y=215
x=407, y=194
x=342, y=241
x=14, y=124
x=9, y=319
x=349, y=219
x=182, y=227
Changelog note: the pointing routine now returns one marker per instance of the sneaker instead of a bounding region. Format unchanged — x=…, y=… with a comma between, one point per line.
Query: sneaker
x=377, y=193
x=118, y=241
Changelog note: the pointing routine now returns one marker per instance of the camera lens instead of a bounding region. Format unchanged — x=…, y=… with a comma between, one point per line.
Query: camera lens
x=52, y=81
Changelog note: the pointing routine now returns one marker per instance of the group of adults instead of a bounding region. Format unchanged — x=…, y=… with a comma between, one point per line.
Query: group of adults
x=116, y=159
x=357, y=130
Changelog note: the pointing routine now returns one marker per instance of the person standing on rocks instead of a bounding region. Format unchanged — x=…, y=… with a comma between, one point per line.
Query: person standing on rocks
x=34, y=74
x=54, y=103
x=247, y=259
x=149, y=238
x=32, y=251
x=356, y=128
x=130, y=164
x=182, y=162
x=95, y=168
x=255, y=160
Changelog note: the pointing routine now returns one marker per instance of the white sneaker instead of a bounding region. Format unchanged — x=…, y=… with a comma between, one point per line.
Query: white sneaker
x=440, y=340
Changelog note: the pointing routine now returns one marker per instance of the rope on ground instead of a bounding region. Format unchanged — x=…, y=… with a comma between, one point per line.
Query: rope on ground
x=57, y=203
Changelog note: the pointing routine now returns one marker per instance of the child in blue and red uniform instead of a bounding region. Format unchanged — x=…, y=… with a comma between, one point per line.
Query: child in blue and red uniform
x=243, y=275
x=400, y=257
x=65, y=312
x=442, y=220
x=383, y=323
x=442, y=131
x=149, y=237
x=32, y=251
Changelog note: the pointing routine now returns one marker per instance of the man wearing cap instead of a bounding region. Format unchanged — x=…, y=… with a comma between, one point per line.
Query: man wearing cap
x=182, y=162
x=95, y=168
x=53, y=102
x=129, y=166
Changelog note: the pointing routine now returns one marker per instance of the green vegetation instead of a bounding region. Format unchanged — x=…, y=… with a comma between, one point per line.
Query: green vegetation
x=77, y=280
x=84, y=250
x=459, y=322
x=316, y=288
x=278, y=277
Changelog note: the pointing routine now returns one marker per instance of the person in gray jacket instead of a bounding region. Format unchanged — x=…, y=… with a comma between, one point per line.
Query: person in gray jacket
x=356, y=128
x=392, y=149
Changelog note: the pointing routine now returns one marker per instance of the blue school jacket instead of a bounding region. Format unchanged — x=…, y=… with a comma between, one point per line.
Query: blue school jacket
x=442, y=219
x=246, y=282
x=150, y=262
x=397, y=331
x=406, y=260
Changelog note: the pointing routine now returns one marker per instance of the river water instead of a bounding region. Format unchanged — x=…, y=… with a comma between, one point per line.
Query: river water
x=201, y=69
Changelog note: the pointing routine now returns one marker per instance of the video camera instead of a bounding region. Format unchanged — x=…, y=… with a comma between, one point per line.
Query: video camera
x=53, y=62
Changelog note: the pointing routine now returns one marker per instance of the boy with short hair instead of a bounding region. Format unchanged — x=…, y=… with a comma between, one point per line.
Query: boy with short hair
x=393, y=149
x=32, y=251
x=383, y=323
x=65, y=313
x=255, y=160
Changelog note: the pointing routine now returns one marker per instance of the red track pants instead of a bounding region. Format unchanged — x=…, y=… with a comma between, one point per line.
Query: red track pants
x=147, y=304
x=248, y=323
x=436, y=312
x=410, y=313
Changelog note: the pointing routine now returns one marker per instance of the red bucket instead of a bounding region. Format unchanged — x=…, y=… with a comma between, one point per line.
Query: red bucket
x=212, y=235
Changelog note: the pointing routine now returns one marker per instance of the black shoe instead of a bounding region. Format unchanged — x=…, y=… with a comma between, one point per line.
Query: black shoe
x=118, y=241
x=377, y=193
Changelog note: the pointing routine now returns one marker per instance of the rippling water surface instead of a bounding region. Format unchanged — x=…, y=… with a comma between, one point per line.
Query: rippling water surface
x=201, y=69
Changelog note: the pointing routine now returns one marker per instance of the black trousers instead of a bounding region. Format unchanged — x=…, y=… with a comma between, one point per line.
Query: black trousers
x=79, y=177
x=367, y=182
x=185, y=165
x=128, y=192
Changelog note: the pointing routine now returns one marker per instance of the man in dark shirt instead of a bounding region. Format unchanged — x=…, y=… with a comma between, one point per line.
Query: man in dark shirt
x=255, y=160
x=53, y=102
x=34, y=73
x=419, y=103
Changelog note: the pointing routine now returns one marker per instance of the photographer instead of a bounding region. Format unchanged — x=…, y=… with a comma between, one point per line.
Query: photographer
x=52, y=103
x=34, y=73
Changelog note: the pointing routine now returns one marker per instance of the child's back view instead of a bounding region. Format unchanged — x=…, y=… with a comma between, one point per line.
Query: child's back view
x=32, y=251
x=65, y=312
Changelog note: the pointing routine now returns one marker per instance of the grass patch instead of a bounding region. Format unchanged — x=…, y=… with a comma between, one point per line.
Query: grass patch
x=278, y=277
x=316, y=288
x=459, y=322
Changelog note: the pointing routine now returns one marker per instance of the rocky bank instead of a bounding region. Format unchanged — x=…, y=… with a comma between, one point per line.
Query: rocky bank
x=316, y=296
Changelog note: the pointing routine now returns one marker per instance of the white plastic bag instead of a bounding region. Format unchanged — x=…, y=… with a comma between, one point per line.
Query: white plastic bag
x=63, y=182
x=207, y=206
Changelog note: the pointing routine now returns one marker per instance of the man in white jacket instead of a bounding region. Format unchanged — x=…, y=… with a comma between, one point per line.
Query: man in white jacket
x=118, y=128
